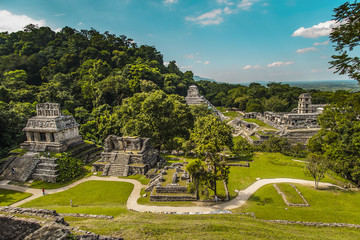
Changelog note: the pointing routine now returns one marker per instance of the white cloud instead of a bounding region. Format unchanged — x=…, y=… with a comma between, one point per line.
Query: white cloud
x=246, y=4
x=166, y=64
x=215, y=17
x=207, y=62
x=80, y=23
x=305, y=50
x=59, y=14
x=321, y=43
x=186, y=67
x=319, y=30
x=266, y=4
x=226, y=2
x=198, y=61
x=57, y=29
x=247, y=67
x=279, y=64
x=170, y=1
x=210, y=18
x=12, y=23
x=190, y=56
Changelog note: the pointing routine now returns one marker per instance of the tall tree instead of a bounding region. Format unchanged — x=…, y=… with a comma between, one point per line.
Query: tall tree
x=346, y=38
x=210, y=136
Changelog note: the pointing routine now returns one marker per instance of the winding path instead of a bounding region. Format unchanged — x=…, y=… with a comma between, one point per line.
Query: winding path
x=132, y=204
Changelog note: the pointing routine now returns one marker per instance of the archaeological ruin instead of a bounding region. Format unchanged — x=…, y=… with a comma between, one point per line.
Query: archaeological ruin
x=50, y=130
x=194, y=98
x=298, y=126
x=124, y=156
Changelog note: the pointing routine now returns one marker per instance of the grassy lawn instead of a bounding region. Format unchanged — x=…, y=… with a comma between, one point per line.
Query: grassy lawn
x=260, y=123
x=92, y=197
x=326, y=205
x=266, y=165
x=169, y=226
x=290, y=193
x=8, y=197
x=140, y=178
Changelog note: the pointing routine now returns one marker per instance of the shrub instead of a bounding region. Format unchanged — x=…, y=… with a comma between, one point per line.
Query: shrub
x=69, y=168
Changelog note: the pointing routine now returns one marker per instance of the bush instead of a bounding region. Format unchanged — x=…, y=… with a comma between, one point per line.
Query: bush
x=69, y=168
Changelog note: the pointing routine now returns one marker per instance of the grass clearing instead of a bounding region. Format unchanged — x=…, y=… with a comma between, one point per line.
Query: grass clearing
x=8, y=197
x=146, y=201
x=326, y=205
x=260, y=123
x=92, y=197
x=290, y=193
x=170, y=226
x=267, y=165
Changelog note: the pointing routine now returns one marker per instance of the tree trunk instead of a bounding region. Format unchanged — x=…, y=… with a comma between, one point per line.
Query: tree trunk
x=226, y=190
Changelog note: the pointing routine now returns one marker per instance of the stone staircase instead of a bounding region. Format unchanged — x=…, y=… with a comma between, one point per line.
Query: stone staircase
x=117, y=170
x=46, y=170
x=117, y=166
x=87, y=153
x=24, y=166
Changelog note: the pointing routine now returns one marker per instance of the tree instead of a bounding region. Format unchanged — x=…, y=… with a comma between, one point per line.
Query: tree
x=198, y=173
x=345, y=38
x=155, y=115
x=210, y=136
x=316, y=166
x=339, y=137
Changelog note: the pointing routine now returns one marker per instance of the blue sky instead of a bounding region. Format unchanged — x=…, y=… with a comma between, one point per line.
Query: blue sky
x=233, y=41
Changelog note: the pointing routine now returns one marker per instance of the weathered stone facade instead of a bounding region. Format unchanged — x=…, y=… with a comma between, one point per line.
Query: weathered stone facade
x=124, y=156
x=194, y=98
x=50, y=130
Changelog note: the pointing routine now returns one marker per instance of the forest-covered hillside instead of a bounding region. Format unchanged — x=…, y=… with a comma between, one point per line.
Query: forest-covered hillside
x=91, y=74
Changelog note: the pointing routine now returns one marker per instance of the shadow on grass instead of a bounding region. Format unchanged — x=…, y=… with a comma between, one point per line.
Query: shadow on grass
x=260, y=201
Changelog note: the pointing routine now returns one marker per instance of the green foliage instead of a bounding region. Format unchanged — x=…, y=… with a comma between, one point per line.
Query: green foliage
x=316, y=167
x=69, y=168
x=345, y=39
x=156, y=115
x=242, y=147
x=338, y=139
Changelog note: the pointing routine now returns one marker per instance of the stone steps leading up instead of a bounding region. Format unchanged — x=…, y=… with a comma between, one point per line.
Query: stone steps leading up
x=24, y=166
x=116, y=170
x=46, y=170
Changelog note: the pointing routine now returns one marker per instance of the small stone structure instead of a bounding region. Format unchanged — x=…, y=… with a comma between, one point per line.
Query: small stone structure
x=194, y=98
x=50, y=130
x=124, y=156
x=172, y=191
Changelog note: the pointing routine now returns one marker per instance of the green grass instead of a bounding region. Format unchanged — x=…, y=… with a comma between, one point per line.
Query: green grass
x=19, y=151
x=291, y=194
x=140, y=178
x=8, y=197
x=267, y=165
x=260, y=123
x=253, y=137
x=331, y=205
x=169, y=226
x=237, y=138
x=92, y=197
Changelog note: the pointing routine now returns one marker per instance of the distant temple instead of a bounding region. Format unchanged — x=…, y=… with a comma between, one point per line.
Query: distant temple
x=194, y=98
x=50, y=130
x=124, y=156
